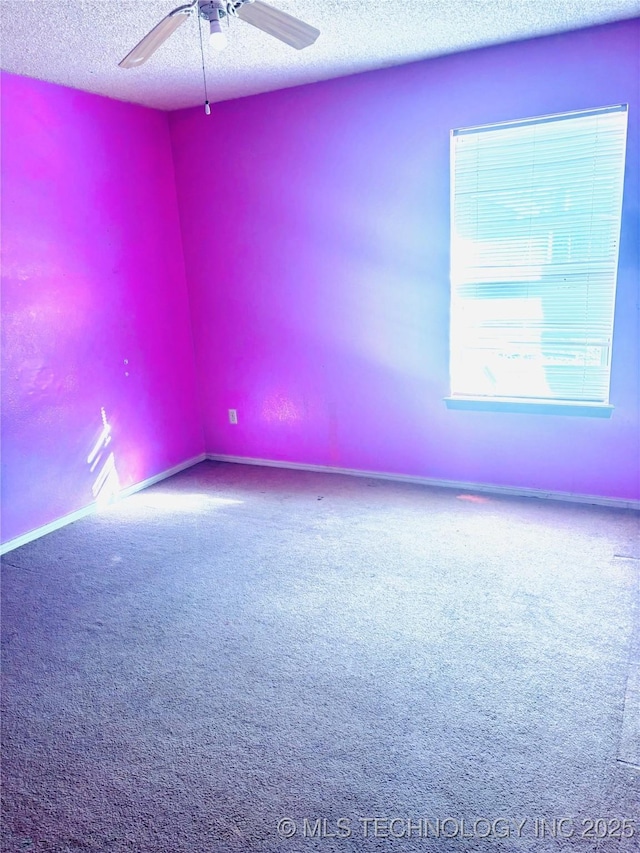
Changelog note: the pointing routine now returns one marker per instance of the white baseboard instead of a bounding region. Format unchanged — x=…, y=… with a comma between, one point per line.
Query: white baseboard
x=619, y=503
x=513, y=491
x=12, y=544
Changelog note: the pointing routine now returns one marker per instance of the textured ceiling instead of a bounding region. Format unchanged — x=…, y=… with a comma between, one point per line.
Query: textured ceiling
x=79, y=42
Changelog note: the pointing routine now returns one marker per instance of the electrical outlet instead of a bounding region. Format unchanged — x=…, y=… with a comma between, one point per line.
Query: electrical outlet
x=233, y=416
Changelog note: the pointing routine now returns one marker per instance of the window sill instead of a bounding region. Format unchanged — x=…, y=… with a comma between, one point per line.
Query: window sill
x=530, y=407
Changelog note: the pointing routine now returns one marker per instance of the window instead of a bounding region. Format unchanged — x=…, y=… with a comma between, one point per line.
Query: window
x=535, y=228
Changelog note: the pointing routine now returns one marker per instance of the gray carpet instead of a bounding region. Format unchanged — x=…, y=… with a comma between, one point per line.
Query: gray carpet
x=240, y=645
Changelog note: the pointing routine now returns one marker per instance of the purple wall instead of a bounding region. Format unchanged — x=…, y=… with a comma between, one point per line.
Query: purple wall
x=316, y=245
x=94, y=301
x=317, y=259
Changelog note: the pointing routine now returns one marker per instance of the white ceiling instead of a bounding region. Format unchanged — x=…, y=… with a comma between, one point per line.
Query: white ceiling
x=79, y=42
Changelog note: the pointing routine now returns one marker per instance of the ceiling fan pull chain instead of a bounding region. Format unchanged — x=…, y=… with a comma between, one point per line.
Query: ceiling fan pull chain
x=207, y=107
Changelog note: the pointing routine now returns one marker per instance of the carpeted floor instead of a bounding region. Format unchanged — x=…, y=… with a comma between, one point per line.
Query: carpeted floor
x=242, y=654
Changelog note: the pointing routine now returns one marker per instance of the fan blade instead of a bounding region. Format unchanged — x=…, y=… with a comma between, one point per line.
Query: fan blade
x=158, y=35
x=279, y=24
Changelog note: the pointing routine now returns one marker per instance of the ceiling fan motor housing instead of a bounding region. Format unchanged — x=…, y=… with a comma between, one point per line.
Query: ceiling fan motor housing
x=211, y=10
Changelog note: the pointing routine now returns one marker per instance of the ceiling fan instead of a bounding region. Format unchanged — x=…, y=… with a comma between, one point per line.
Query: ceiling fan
x=255, y=12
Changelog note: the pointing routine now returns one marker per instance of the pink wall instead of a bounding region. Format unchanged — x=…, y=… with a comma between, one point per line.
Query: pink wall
x=316, y=247
x=94, y=300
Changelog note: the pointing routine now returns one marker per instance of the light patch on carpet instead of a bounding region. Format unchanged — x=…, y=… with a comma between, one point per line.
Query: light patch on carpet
x=180, y=502
x=474, y=499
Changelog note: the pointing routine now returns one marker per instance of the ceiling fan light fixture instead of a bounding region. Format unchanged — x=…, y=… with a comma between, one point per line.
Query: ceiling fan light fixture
x=217, y=39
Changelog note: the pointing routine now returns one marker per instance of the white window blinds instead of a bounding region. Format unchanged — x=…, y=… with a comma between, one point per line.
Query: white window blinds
x=535, y=209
